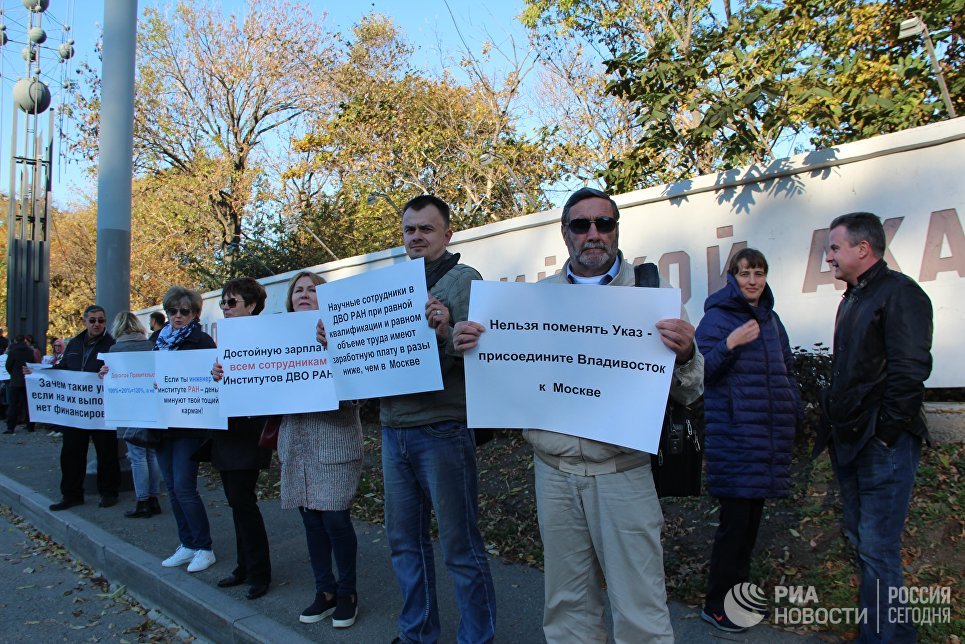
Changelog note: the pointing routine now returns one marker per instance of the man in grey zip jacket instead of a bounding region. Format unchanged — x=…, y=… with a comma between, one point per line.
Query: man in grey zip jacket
x=429, y=458
x=598, y=511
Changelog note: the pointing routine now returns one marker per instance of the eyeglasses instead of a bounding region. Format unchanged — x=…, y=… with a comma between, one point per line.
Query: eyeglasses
x=229, y=303
x=582, y=226
x=96, y=321
x=173, y=312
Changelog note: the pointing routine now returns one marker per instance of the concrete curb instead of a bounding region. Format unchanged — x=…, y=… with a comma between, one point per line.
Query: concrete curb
x=201, y=609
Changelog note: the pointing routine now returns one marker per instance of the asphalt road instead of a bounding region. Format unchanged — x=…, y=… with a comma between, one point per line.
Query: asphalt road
x=47, y=596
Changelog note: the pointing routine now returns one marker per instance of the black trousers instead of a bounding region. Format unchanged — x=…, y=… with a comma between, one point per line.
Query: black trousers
x=730, y=560
x=251, y=540
x=18, y=403
x=73, y=462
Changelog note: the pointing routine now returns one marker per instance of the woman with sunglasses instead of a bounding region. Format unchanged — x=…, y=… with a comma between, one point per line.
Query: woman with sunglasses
x=236, y=455
x=321, y=464
x=174, y=453
x=752, y=405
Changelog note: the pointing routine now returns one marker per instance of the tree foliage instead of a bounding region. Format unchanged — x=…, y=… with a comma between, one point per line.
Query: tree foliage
x=398, y=131
x=210, y=89
x=712, y=88
x=160, y=254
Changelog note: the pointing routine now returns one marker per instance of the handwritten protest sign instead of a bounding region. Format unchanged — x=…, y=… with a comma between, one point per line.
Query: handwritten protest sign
x=69, y=398
x=130, y=397
x=378, y=337
x=579, y=360
x=189, y=396
x=274, y=365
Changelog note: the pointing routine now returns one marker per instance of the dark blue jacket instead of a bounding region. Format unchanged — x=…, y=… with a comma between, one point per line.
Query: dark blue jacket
x=751, y=399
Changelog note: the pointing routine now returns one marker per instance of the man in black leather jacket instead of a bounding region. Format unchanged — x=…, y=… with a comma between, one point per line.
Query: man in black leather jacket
x=81, y=355
x=875, y=422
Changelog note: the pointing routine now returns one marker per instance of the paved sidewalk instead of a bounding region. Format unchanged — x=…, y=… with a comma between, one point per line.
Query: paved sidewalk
x=129, y=551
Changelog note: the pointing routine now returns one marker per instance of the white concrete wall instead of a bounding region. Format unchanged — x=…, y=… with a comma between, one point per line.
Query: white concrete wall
x=913, y=180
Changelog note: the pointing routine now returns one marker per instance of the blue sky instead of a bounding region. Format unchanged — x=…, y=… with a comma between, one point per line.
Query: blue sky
x=427, y=25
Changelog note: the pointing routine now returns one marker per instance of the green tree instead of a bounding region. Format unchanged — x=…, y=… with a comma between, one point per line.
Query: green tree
x=397, y=131
x=711, y=88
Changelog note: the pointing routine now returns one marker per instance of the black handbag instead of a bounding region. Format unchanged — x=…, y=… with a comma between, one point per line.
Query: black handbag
x=677, y=466
x=679, y=460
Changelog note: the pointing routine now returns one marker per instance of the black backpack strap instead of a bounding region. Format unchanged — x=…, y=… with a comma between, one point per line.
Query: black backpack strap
x=647, y=275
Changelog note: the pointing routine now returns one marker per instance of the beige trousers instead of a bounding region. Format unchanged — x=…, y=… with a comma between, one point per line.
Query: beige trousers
x=602, y=530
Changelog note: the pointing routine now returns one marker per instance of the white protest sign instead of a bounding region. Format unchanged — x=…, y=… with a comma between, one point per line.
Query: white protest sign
x=378, y=337
x=69, y=398
x=189, y=396
x=130, y=396
x=4, y=374
x=34, y=366
x=580, y=360
x=274, y=365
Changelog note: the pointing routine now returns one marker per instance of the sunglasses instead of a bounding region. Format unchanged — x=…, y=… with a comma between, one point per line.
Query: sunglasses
x=173, y=312
x=229, y=303
x=582, y=226
x=96, y=320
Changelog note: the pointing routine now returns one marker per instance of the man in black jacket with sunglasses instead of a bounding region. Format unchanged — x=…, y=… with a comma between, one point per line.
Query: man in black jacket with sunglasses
x=81, y=355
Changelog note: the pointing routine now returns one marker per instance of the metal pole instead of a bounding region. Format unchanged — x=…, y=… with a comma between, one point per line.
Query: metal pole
x=938, y=73
x=116, y=157
x=311, y=232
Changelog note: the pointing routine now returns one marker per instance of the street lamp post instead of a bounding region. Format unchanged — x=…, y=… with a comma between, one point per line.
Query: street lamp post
x=914, y=26
x=304, y=226
x=376, y=195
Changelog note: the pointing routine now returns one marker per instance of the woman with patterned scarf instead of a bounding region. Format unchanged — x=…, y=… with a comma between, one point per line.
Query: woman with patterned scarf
x=180, y=472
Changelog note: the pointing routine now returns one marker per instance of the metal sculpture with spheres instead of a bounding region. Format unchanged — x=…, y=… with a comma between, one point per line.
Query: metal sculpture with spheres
x=31, y=156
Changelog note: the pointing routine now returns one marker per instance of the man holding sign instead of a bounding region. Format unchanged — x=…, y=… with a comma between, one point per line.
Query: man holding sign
x=429, y=457
x=81, y=355
x=598, y=512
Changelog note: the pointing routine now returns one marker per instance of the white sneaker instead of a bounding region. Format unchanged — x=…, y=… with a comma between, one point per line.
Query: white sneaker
x=180, y=557
x=203, y=559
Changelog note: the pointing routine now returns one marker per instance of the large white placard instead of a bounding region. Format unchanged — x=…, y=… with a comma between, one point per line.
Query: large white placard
x=68, y=398
x=580, y=360
x=378, y=337
x=131, y=398
x=189, y=396
x=274, y=365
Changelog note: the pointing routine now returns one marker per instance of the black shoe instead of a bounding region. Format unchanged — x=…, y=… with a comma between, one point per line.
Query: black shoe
x=257, y=590
x=9, y=431
x=30, y=428
x=234, y=579
x=720, y=621
x=108, y=501
x=63, y=504
x=141, y=511
x=319, y=610
x=346, y=610
x=154, y=505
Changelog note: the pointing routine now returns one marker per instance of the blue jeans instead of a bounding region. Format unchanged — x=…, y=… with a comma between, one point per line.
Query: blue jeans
x=331, y=533
x=433, y=467
x=875, y=492
x=144, y=471
x=181, y=480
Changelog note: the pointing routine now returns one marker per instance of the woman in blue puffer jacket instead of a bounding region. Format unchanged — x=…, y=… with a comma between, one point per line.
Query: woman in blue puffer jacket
x=752, y=405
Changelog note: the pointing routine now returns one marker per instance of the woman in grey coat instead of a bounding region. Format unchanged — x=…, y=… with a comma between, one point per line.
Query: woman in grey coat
x=130, y=335
x=321, y=463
